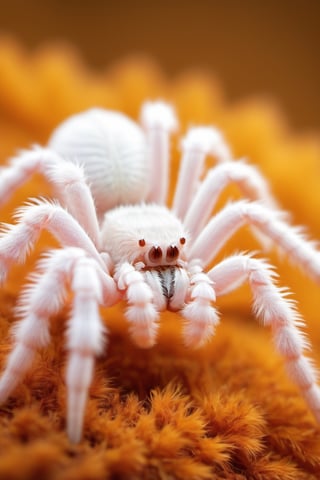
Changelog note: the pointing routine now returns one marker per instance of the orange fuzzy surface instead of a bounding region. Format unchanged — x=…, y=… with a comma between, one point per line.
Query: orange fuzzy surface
x=226, y=411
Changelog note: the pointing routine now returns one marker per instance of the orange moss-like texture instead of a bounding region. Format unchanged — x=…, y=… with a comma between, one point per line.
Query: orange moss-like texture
x=227, y=411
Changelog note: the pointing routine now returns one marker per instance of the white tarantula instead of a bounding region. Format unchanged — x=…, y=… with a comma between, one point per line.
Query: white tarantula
x=119, y=240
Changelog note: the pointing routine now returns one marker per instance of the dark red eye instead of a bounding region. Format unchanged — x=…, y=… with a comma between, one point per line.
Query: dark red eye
x=155, y=254
x=182, y=240
x=142, y=242
x=172, y=253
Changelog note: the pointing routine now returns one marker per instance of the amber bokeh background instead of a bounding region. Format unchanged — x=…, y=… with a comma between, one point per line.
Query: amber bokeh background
x=254, y=47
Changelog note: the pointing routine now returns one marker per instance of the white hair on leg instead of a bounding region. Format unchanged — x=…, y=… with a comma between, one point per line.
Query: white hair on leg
x=201, y=317
x=67, y=178
x=20, y=169
x=40, y=299
x=76, y=196
x=141, y=313
x=276, y=311
x=85, y=339
x=245, y=176
x=288, y=239
x=158, y=119
x=17, y=240
x=196, y=145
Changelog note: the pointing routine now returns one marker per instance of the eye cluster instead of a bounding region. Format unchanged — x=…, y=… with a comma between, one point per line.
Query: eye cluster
x=156, y=254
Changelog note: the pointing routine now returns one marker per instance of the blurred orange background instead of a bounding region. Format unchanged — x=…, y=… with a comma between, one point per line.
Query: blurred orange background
x=253, y=47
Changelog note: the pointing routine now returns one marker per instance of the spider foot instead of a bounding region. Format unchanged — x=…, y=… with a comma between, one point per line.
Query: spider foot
x=312, y=397
x=143, y=324
x=202, y=319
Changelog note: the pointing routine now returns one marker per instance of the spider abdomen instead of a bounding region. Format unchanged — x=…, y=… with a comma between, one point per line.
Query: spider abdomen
x=112, y=150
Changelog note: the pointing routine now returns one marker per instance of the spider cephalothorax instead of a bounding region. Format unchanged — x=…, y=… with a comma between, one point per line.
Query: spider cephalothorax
x=145, y=234
x=120, y=241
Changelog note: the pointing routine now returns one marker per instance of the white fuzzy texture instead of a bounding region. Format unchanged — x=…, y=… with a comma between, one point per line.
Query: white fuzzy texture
x=196, y=145
x=12, y=178
x=175, y=284
x=141, y=313
x=40, y=299
x=208, y=140
x=272, y=305
x=158, y=115
x=78, y=379
x=45, y=294
x=67, y=178
x=270, y=223
x=112, y=151
x=38, y=215
x=75, y=194
x=158, y=120
x=18, y=363
x=201, y=317
x=123, y=227
x=312, y=397
x=245, y=176
x=85, y=334
x=22, y=168
x=182, y=283
x=85, y=339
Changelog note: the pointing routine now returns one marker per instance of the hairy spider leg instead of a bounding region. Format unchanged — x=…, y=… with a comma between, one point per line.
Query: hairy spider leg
x=85, y=340
x=196, y=145
x=158, y=120
x=276, y=311
x=45, y=297
x=32, y=331
x=288, y=239
x=246, y=177
x=67, y=178
x=201, y=317
x=142, y=313
x=17, y=240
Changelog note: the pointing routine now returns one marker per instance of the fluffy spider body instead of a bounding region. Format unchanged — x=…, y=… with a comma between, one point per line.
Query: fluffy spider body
x=148, y=234
x=151, y=239
x=119, y=240
x=116, y=170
